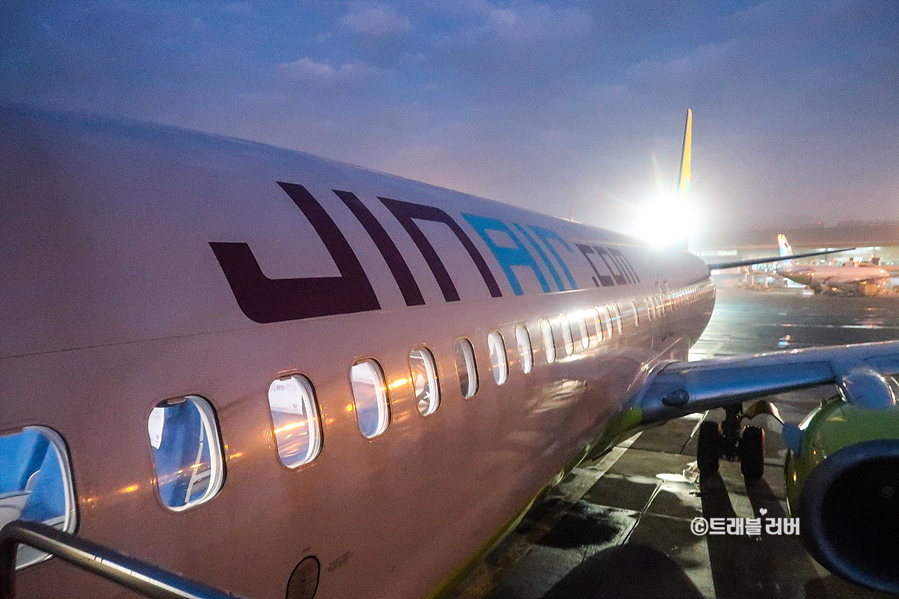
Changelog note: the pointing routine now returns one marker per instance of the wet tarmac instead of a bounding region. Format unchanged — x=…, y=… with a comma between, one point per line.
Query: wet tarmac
x=620, y=527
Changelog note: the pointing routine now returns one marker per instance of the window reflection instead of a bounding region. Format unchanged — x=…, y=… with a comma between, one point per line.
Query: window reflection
x=567, y=337
x=498, y=361
x=525, y=352
x=295, y=420
x=549, y=344
x=466, y=367
x=424, y=380
x=35, y=484
x=370, y=398
x=187, y=451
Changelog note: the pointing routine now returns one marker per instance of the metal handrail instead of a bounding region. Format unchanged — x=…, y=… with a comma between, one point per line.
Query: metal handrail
x=128, y=572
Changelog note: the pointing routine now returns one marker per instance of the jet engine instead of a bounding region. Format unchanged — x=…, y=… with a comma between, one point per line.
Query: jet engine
x=842, y=479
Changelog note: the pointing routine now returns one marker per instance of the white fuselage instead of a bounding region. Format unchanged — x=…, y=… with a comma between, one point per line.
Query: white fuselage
x=852, y=279
x=126, y=282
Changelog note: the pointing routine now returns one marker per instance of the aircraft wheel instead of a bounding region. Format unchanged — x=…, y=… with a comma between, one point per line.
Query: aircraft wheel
x=708, y=449
x=752, y=452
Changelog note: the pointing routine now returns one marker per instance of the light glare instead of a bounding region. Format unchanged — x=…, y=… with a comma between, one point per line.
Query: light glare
x=665, y=220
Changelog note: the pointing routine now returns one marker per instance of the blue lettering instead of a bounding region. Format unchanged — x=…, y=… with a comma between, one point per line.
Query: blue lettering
x=506, y=256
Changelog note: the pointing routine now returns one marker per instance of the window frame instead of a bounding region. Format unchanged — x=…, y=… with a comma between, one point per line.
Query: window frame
x=433, y=380
x=209, y=420
x=567, y=339
x=593, y=319
x=526, y=349
x=615, y=313
x=499, y=361
x=583, y=330
x=28, y=556
x=549, y=341
x=471, y=367
x=382, y=398
x=314, y=411
x=605, y=320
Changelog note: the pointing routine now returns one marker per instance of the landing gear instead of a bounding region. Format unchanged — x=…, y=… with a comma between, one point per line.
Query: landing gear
x=708, y=449
x=732, y=441
x=752, y=452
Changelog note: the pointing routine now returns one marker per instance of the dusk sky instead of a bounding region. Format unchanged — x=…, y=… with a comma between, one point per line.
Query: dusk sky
x=562, y=107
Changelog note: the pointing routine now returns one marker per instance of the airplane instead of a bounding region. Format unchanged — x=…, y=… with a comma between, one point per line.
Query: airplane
x=233, y=370
x=851, y=279
x=893, y=269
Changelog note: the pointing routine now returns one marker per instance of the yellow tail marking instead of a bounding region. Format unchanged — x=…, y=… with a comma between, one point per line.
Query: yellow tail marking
x=683, y=187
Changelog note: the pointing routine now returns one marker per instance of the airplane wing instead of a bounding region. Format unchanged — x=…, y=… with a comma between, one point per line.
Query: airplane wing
x=725, y=265
x=675, y=389
x=842, y=471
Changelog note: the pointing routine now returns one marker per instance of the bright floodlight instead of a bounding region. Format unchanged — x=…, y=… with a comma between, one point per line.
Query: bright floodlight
x=665, y=220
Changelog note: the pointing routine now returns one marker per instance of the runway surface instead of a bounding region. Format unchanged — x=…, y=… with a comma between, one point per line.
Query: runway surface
x=620, y=527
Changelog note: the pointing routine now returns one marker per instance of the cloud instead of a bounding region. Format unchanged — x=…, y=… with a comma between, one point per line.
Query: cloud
x=538, y=22
x=521, y=45
x=374, y=20
x=703, y=64
x=307, y=69
x=375, y=32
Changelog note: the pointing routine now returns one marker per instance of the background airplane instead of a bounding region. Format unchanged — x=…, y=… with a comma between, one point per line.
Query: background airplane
x=853, y=279
x=261, y=371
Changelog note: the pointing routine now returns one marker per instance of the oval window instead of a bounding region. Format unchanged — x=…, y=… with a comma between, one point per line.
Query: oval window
x=616, y=318
x=424, y=380
x=567, y=337
x=594, y=321
x=581, y=321
x=605, y=317
x=498, y=361
x=187, y=451
x=295, y=422
x=35, y=484
x=370, y=398
x=525, y=352
x=549, y=344
x=466, y=367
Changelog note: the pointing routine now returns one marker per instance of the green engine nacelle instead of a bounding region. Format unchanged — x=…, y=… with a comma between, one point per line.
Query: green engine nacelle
x=842, y=480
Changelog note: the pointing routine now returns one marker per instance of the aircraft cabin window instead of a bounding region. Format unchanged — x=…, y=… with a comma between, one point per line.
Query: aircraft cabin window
x=295, y=421
x=525, y=352
x=616, y=318
x=187, y=451
x=35, y=484
x=605, y=322
x=370, y=398
x=582, y=325
x=424, y=380
x=466, y=367
x=498, y=362
x=636, y=313
x=594, y=324
x=650, y=306
x=549, y=344
x=567, y=337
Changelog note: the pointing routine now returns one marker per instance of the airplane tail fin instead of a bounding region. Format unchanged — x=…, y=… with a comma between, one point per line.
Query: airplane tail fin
x=785, y=249
x=683, y=186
